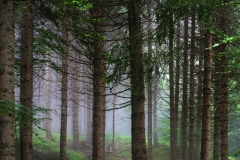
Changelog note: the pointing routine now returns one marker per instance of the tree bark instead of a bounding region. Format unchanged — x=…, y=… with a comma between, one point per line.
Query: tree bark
x=199, y=110
x=192, y=86
x=89, y=116
x=176, y=94
x=64, y=93
x=48, y=90
x=223, y=89
x=205, y=145
x=75, y=103
x=139, y=151
x=7, y=148
x=216, y=138
x=173, y=115
x=150, y=79
x=113, y=118
x=155, y=104
x=26, y=80
x=99, y=85
x=184, y=95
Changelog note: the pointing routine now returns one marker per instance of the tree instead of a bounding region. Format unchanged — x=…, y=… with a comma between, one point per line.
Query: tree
x=64, y=91
x=184, y=95
x=89, y=114
x=26, y=80
x=216, y=138
x=99, y=84
x=205, y=143
x=113, y=119
x=192, y=87
x=137, y=81
x=199, y=109
x=48, y=91
x=223, y=87
x=171, y=89
x=75, y=102
x=150, y=82
x=176, y=94
x=7, y=149
x=155, y=104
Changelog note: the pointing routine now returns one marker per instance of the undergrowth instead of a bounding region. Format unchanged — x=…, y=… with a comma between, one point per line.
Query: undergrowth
x=44, y=149
x=49, y=149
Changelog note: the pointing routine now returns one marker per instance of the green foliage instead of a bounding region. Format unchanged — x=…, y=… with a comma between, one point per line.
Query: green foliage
x=118, y=60
x=118, y=138
x=79, y=4
x=49, y=150
x=226, y=40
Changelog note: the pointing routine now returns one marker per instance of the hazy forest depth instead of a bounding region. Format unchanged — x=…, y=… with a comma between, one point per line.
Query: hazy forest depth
x=119, y=79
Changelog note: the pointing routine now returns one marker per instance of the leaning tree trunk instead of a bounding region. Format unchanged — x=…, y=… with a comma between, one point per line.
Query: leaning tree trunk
x=205, y=145
x=137, y=81
x=26, y=80
x=184, y=95
x=64, y=106
x=7, y=148
x=192, y=86
x=99, y=85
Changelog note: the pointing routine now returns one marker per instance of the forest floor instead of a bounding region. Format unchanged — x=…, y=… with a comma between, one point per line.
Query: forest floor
x=48, y=149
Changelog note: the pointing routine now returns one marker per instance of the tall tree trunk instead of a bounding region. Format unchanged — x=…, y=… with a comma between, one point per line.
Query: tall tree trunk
x=137, y=81
x=7, y=148
x=173, y=143
x=176, y=94
x=104, y=134
x=155, y=104
x=223, y=89
x=205, y=145
x=48, y=90
x=192, y=86
x=184, y=96
x=99, y=85
x=113, y=118
x=75, y=103
x=89, y=115
x=150, y=78
x=89, y=102
x=63, y=131
x=26, y=80
x=217, y=125
x=150, y=113
x=199, y=110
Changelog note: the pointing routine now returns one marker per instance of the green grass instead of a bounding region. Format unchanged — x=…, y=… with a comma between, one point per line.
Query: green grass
x=49, y=150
